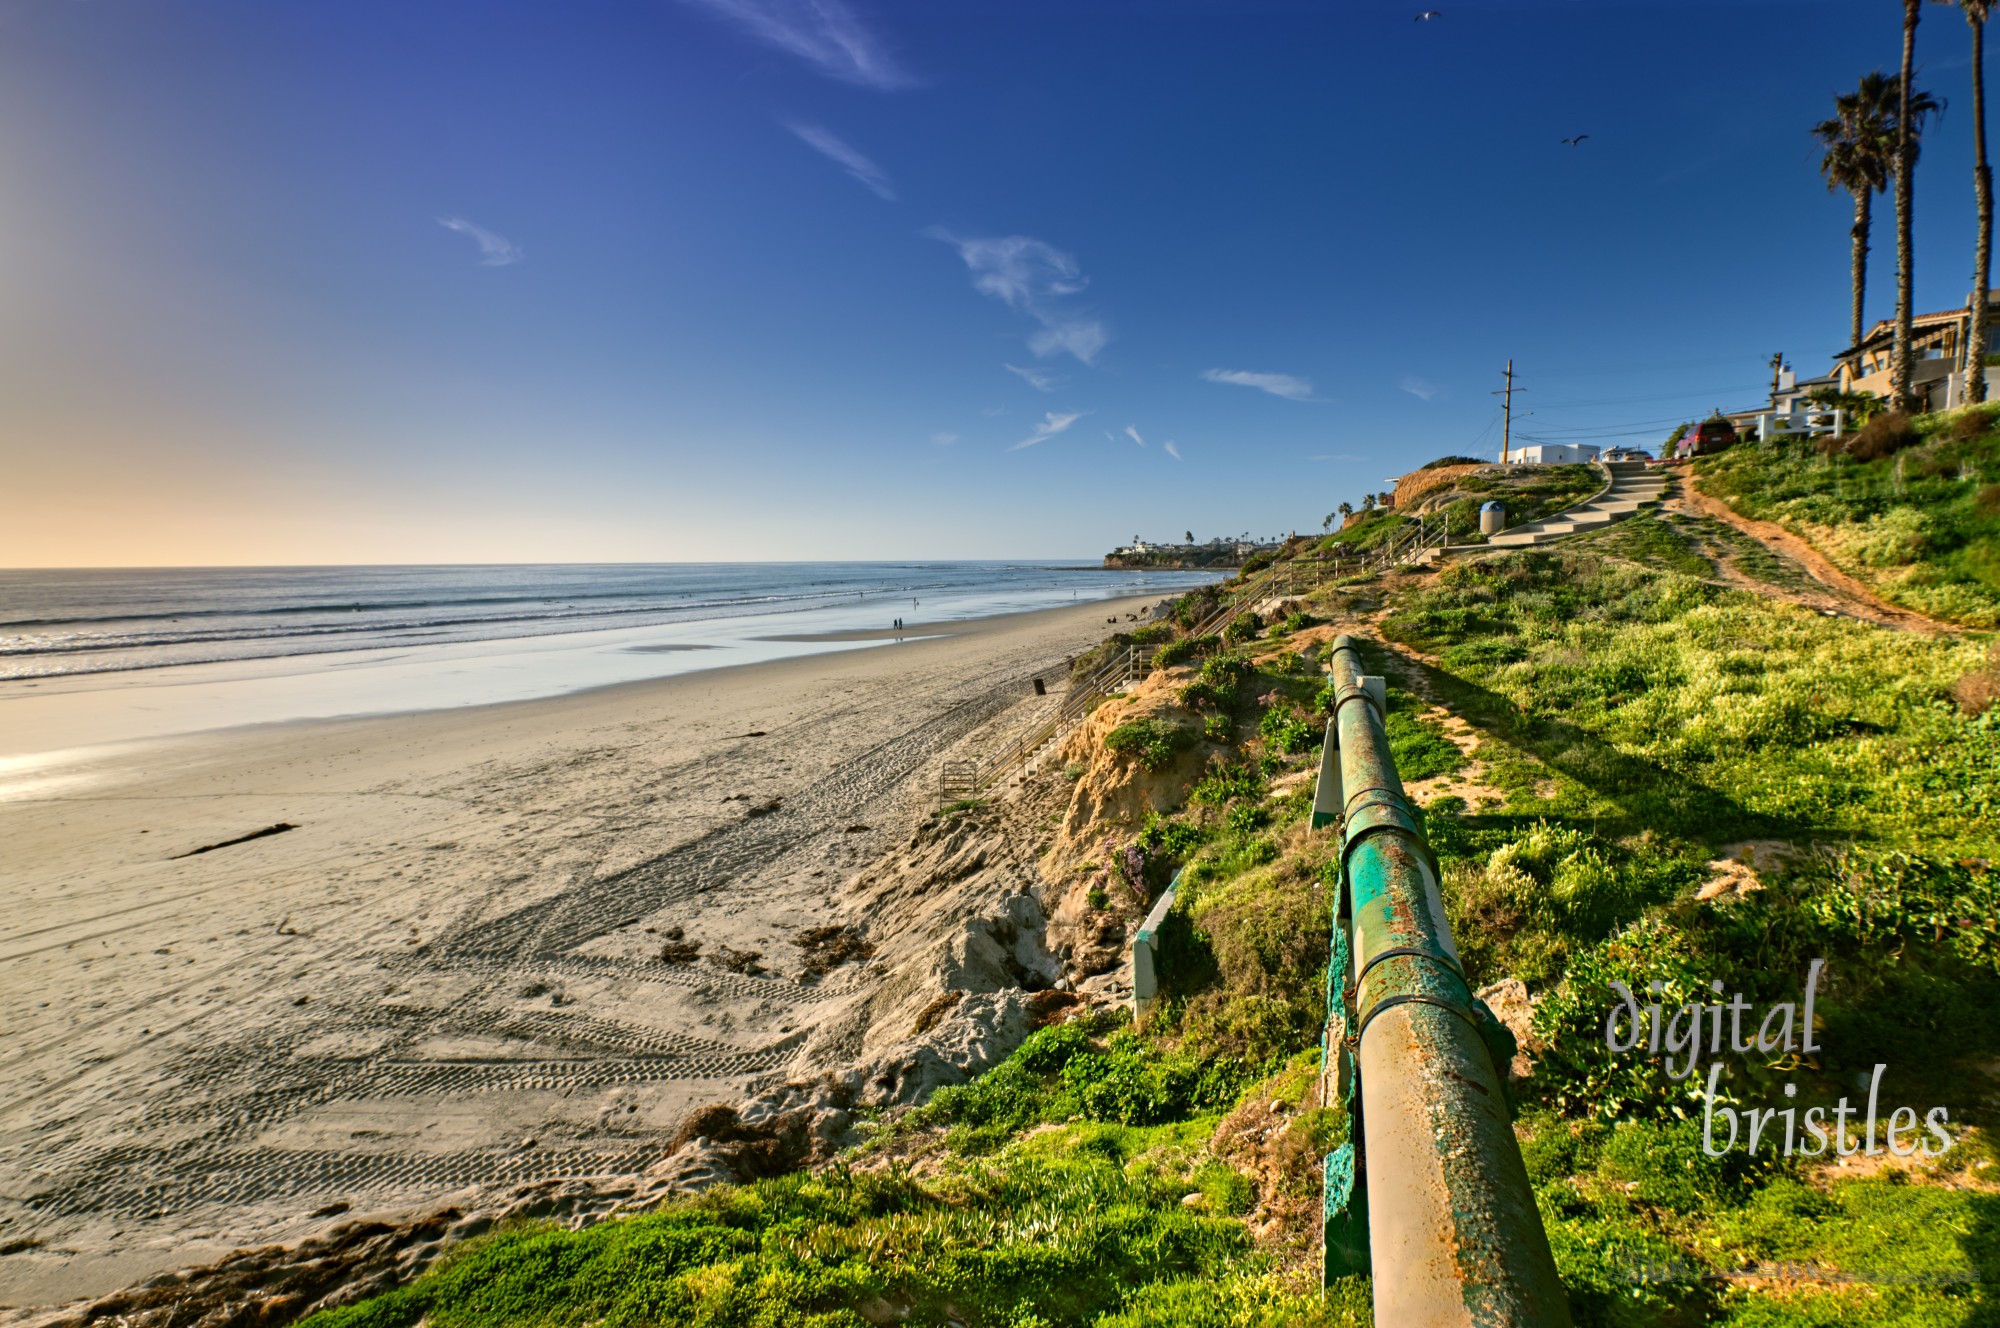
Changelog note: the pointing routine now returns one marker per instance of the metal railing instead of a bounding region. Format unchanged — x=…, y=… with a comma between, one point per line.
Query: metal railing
x=1435, y=1201
x=967, y=779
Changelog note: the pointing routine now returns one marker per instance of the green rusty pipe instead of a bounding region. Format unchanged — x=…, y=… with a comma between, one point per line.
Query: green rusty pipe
x=1453, y=1232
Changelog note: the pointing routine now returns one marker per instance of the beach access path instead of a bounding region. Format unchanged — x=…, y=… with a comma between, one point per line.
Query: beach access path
x=466, y=964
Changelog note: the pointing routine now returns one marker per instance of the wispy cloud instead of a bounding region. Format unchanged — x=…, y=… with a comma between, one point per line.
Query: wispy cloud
x=494, y=250
x=1038, y=280
x=1053, y=423
x=1132, y=432
x=1172, y=451
x=824, y=33
x=944, y=439
x=1423, y=389
x=846, y=157
x=1278, y=385
x=1040, y=379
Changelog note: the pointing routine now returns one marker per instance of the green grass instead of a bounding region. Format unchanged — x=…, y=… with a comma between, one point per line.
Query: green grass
x=1921, y=527
x=1649, y=538
x=1065, y=1232
x=1656, y=701
x=1419, y=745
x=1638, y=716
x=1529, y=494
x=1647, y=1230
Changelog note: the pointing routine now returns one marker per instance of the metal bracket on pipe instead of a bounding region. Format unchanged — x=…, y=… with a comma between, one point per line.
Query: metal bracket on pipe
x=1327, y=796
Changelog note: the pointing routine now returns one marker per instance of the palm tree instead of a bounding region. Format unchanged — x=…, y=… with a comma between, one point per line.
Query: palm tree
x=1901, y=368
x=1857, y=159
x=1346, y=510
x=1976, y=14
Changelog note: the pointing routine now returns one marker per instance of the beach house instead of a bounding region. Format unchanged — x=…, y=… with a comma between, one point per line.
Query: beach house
x=1935, y=342
x=1552, y=454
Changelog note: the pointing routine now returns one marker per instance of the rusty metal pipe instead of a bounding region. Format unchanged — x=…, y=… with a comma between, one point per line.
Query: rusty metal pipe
x=1454, y=1236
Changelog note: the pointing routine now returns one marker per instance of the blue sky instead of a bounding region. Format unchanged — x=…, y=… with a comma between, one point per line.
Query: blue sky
x=696, y=279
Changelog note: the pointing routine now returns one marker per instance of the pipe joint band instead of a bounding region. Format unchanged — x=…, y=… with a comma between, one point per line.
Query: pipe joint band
x=1413, y=998
x=1343, y=692
x=1383, y=811
x=1414, y=952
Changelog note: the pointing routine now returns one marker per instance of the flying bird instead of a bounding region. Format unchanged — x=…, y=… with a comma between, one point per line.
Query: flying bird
x=1428, y=15
x=1572, y=142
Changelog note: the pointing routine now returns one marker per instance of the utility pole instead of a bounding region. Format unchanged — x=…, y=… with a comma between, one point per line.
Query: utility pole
x=1507, y=416
x=1777, y=369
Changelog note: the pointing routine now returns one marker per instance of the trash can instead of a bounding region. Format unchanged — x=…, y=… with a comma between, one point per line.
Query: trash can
x=1492, y=518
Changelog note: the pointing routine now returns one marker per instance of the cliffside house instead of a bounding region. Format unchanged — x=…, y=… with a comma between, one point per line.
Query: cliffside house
x=1935, y=340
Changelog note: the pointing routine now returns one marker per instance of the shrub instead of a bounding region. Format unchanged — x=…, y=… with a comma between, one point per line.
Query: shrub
x=1972, y=423
x=1224, y=782
x=1882, y=436
x=1287, y=731
x=1133, y=1083
x=1179, y=652
x=1241, y=628
x=1204, y=695
x=1978, y=690
x=1215, y=686
x=1192, y=608
x=1861, y=407
x=1217, y=728
x=1225, y=670
x=1577, y=1073
x=1171, y=839
x=1152, y=742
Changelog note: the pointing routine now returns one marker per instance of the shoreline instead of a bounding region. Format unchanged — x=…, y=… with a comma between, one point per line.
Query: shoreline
x=50, y=720
x=449, y=973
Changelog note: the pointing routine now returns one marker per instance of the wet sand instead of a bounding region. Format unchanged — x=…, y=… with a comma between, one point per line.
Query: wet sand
x=457, y=968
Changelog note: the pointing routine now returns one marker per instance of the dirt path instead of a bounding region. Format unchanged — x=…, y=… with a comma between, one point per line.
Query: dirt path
x=1842, y=594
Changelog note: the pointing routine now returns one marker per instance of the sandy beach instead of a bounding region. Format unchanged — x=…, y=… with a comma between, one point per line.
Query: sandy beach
x=490, y=945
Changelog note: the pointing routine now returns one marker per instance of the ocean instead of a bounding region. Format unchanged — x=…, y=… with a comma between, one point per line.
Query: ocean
x=63, y=623
x=89, y=658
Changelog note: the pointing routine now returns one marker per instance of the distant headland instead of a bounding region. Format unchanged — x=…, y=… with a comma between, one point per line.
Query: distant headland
x=1217, y=553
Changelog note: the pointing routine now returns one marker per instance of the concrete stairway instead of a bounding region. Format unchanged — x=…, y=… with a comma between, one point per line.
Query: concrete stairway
x=1633, y=485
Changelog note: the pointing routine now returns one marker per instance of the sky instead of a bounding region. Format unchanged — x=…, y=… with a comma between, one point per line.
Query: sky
x=391, y=281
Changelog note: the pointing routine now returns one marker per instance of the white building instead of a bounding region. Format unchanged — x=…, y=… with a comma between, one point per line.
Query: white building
x=1552, y=454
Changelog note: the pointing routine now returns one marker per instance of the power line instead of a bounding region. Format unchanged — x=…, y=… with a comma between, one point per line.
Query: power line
x=1664, y=396
x=1599, y=433
x=1614, y=424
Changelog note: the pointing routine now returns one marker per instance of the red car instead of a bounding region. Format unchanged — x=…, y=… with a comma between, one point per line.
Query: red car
x=1711, y=435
